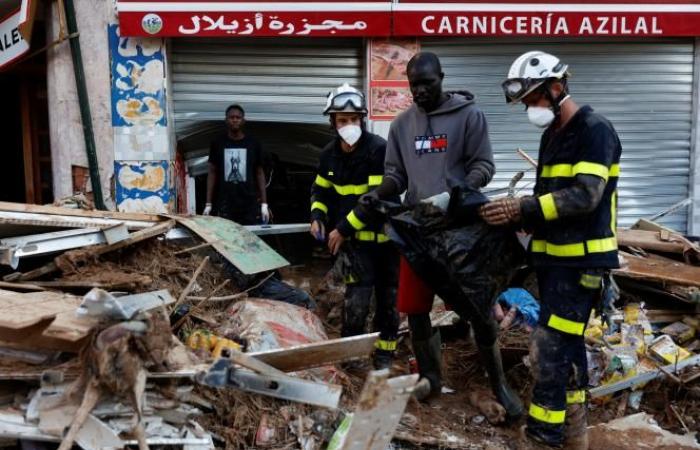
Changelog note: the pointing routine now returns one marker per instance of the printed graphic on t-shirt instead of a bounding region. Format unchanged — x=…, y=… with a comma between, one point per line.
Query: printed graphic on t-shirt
x=235, y=165
x=436, y=143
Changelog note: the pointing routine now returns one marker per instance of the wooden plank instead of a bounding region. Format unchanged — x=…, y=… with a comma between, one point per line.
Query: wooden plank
x=318, y=354
x=659, y=269
x=95, y=214
x=240, y=247
x=24, y=310
x=648, y=240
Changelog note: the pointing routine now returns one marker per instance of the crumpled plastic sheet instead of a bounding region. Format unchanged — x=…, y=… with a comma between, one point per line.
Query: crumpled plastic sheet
x=465, y=261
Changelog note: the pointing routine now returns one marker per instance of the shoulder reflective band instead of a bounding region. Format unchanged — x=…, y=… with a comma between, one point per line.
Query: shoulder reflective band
x=371, y=236
x=583, y=167
x=375, y=180
x=549, y=208
x=322, y=182
x=573, y=397
x=354, y=221
x=319, y=205
x=591, y=281
x=381, y=344
x=575, y=249
x=547, y=415
x=566, y=325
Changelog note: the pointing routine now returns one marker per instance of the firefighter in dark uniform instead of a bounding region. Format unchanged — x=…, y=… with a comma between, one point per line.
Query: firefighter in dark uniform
x=351, y=165
x=572, y=217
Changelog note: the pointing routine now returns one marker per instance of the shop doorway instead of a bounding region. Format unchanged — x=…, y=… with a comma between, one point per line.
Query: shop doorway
x=24, y=127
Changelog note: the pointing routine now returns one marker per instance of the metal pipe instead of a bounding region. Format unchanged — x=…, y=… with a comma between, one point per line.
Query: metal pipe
x=85, y=114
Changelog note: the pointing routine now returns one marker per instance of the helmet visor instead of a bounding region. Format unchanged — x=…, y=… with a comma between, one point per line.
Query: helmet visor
x=344, y=100
x=517, y=88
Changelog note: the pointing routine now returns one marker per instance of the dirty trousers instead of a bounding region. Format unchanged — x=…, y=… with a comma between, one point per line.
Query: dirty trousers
x=373, y=270
x=557, y=352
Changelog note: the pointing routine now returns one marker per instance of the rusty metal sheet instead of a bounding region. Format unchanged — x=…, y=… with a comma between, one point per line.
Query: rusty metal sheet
x=243, y=249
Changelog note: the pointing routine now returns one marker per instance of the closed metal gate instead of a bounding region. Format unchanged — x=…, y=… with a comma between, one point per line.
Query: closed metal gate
x=281, y=80
x=643, y=88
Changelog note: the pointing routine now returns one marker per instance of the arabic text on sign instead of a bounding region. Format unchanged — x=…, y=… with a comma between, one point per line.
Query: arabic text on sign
x=248, y=27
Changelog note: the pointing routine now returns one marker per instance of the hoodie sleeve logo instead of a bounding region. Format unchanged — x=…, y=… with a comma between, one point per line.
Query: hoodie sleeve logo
x=436, y=143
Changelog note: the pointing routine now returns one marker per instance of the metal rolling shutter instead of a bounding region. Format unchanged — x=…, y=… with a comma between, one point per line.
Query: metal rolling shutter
x=283, y=80
x=644, y=88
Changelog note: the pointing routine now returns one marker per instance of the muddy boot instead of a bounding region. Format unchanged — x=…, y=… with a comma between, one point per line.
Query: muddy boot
x=576, y=427
x=491, y=358
x=528, y=441
x=429, y=359
x=383, y=359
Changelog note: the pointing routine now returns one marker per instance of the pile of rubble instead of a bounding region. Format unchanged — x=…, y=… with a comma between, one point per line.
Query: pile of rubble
x=128, y=329
x=131, y=329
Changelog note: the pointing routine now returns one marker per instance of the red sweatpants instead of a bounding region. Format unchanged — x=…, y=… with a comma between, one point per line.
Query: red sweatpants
x=414, y=296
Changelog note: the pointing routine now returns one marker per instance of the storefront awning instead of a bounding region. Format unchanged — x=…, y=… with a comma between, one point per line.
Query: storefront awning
x=265, y=18
x=557, y=18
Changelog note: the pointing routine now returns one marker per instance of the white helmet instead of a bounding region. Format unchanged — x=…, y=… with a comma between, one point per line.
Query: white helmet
x=529, y=71
x=345, y=98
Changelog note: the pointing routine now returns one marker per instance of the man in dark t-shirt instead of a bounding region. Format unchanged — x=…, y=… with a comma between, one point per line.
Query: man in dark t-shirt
x=236, y=179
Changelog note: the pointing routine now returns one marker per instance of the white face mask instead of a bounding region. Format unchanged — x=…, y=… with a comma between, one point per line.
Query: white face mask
x=540, y=116
x=350, y=134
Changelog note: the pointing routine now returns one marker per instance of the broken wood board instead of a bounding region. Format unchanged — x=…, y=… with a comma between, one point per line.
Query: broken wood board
x=18, y=223
x=658, y=269
x=44, y=320
x=378, y=412
x=318, y=354
x=247, y=252
x=69, y=259
x=650, y=240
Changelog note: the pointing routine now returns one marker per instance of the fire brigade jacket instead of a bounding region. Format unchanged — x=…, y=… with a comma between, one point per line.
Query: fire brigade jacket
x=342, y=178
x=572, y=214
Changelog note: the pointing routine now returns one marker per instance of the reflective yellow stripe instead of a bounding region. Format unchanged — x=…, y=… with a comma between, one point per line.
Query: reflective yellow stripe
x=547, y=415
x=322, y=182
x=615, y=170
x=613, y=213
x=602, y=245
x=371, y=236
x=349, y=279
x=375, y=180
x=381, y=344
x=573, y=397
x=591, y=281
x=565, y=250
x=319, y=205
x=585, y=167
x=590, y=168
x=566, y=325
x=575, y=249
x=549, y=208
x=557, y=170
x=351, y=189
x=354, y=221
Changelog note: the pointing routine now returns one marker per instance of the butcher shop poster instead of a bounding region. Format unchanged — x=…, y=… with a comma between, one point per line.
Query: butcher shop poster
x=388, y=86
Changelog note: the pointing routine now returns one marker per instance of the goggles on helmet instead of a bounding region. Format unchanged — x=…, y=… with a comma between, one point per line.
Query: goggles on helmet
x=517, y=88
x=347, y=102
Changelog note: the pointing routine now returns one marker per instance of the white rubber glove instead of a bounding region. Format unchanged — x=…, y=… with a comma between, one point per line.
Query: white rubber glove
x=441, y=200
x=264, y=213
x=207, y=209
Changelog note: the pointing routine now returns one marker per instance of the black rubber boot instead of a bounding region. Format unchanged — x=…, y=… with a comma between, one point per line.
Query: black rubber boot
x=491, y=358
x=429, y=359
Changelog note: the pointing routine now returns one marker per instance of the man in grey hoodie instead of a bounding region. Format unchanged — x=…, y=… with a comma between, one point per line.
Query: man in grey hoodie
x=440, y=142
